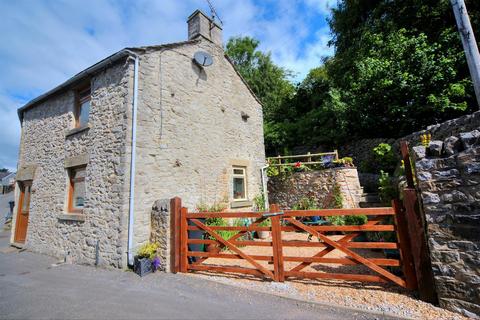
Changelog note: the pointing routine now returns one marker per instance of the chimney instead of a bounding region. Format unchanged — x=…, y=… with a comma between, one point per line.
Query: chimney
x=200, y=24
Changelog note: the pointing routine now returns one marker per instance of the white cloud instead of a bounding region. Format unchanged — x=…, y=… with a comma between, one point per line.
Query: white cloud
x=323, y=6
x=43, y=43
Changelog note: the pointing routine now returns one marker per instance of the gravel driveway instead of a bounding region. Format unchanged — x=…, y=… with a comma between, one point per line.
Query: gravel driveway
x=31, y=286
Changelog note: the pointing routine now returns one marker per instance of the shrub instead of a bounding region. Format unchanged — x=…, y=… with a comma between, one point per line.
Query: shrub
x=384, y=157
x=259, y=202
x=305, y=203
x=356, y=220
x=215, y=207
x=221, y=222
x=386, y=190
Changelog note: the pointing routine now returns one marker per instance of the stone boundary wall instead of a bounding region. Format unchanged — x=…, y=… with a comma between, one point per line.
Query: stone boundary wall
x=448, y=175
x=160, y=231
x=286, y=191
x=361, y=150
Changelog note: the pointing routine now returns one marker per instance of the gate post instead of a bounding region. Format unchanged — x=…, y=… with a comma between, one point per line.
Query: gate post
x=277, y=249
x=183, y=240
x=405, y=247
x=420, y=253
x=175, y=206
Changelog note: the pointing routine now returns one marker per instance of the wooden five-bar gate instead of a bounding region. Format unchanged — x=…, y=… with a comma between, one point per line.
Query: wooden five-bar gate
x=285, y=221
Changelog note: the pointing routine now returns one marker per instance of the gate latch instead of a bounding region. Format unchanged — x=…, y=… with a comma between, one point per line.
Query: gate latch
x=271, y=214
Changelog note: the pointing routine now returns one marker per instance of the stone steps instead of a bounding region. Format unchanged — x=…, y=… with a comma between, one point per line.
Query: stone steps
x=370, y=200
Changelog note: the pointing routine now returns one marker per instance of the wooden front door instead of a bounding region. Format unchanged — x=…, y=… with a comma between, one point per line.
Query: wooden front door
x=23, y=210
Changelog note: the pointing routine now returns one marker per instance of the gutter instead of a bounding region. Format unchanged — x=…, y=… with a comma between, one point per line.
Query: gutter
x=263, y=173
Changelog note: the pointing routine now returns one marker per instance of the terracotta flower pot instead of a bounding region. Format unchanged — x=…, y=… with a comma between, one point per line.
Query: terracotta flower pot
x=213, y=248
x=263, y=234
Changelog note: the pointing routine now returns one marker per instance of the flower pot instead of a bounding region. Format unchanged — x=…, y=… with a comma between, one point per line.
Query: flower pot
x=213, y=248
x=195, y=234
x=263, y=234
x=142, y=266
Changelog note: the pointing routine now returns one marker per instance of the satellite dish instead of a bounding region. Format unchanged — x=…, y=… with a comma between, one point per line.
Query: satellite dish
x=202, y=59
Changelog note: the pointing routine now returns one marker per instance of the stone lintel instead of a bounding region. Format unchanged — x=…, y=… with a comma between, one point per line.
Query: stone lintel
x=26, y=172
x=81, y=159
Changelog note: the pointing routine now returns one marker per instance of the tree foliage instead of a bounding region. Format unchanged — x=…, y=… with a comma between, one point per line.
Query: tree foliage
x=398, y=67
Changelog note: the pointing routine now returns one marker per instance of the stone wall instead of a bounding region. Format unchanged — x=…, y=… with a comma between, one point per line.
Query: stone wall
x=361, y=150
x=160, y=232
x=448, y=174
x=191, y=131
x=286, y=191
x=47, y=144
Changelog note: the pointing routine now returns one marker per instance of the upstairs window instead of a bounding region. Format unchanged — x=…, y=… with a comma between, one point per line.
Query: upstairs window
x=82, y=108
x=77, y=190
x=239, y=183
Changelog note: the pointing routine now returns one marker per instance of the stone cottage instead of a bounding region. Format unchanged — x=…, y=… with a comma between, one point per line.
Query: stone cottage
x=143, y=124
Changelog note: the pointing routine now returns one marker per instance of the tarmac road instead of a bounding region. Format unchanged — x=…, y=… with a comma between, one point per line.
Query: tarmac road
x=31, y=288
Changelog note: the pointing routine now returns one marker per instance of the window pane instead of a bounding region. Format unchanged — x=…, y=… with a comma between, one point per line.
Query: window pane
x=83, y=113
x=78, y=200
x=26, y=199
x=238, y=188
x=238, y=171
x=79, y=173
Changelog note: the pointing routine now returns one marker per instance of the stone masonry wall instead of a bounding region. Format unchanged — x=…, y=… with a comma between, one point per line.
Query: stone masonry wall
x=160, y=226
x=448, y=174
x=361, y=150
x=191, y=131
x=44, y=144
x=287, y=191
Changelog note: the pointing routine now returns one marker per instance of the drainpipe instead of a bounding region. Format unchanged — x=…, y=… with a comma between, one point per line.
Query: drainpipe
x=132, y=161
x=264, y=186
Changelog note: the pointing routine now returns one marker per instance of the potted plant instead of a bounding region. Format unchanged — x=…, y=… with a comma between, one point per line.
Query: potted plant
x=264, y=234
x=144, y=260
x=214, y=222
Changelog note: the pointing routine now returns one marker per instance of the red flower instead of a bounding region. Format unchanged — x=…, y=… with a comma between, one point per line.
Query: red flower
x=298, y=164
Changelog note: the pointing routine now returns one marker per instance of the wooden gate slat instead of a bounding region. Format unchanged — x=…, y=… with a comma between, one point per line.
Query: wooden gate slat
x=226, y=269
x=324, y=252
x=336, y=276
x=233, y=248
x=346, y=261
x=352, y=254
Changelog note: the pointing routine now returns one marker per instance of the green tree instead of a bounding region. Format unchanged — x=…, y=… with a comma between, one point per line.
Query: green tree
x=399, y=65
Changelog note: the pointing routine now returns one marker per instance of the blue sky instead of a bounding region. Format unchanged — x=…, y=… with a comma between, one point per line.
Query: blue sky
x=45, y=42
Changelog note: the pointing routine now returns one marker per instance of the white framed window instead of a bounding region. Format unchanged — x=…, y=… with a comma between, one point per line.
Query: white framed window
x=239, y=183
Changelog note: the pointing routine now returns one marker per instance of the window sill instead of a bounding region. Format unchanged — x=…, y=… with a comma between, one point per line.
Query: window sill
x=73, y=131
x=241, y=204
x=72, y=217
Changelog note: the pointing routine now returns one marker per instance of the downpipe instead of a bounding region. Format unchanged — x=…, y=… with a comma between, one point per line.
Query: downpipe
x=132, y=162
x=263, y=174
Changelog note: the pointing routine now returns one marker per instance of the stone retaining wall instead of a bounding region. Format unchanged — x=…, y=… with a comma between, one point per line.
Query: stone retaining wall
x=361, y=150
x=286, y=191
x=448, y=174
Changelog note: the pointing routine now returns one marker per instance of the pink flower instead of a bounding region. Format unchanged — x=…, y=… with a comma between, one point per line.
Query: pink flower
x=298, y=164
